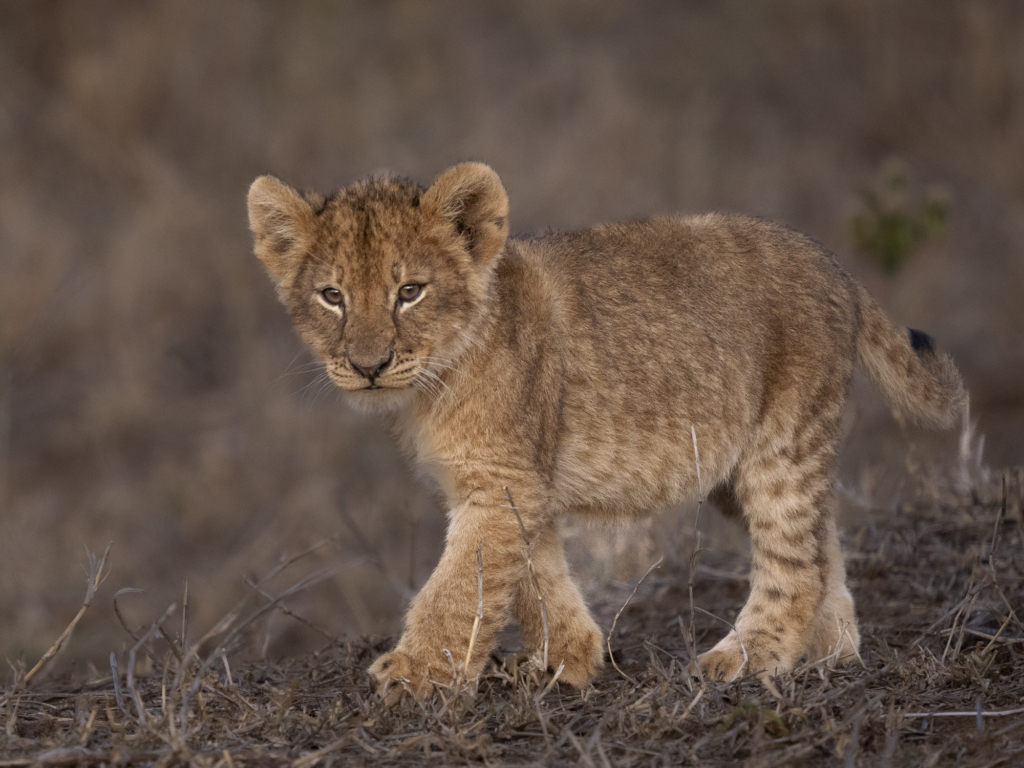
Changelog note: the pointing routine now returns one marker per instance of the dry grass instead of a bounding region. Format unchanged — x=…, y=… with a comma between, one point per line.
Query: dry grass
x=940, y=590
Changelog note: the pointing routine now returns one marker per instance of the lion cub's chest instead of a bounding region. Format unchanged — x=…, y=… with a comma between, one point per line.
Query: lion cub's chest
x=418, y=439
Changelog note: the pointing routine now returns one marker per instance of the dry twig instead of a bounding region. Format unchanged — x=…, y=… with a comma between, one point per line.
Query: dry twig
x=478, y=619
x=608, y=640
x=93, y=580
x=532, y=574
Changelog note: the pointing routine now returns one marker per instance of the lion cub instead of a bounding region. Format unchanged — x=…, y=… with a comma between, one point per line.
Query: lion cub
x=571, y=368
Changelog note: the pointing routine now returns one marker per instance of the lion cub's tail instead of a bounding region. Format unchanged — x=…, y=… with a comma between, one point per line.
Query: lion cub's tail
x=921, y=382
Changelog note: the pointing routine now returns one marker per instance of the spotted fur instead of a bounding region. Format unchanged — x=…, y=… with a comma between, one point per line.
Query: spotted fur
x=572, y=369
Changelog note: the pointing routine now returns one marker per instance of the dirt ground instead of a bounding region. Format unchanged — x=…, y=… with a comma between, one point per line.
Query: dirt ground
x=939, y=584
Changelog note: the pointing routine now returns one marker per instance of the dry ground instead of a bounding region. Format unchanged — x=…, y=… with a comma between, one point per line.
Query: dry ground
x=939, y=582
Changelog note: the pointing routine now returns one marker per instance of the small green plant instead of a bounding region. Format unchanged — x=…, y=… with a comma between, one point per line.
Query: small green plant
x=756, y=715
x=895, y=218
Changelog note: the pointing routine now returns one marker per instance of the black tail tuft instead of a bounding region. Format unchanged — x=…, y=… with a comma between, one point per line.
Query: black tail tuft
x=921, y=342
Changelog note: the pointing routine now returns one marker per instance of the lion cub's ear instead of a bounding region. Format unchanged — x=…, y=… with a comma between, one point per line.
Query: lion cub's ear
x=281, y=222
x=471, y=196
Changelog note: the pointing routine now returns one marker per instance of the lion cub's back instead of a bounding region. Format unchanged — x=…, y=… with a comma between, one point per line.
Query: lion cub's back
x=674, y=323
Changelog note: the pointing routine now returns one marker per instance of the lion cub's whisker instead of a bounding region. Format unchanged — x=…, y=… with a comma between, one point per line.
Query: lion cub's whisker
x=430, y=387
x=435, y=378
x=421, y=386
x=440, y=363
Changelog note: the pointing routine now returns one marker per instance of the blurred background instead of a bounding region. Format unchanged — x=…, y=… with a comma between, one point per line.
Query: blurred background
x=152, y=391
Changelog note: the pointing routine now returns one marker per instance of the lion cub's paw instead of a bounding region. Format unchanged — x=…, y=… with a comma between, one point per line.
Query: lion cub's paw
x=729, y=660
x=722, y=665
x=394, y=674
x=582, y=655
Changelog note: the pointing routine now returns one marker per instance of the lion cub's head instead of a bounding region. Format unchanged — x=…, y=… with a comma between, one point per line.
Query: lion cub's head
x=385, y=280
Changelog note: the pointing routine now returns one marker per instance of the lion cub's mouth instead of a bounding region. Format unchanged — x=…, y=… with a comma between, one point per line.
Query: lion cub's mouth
x=386, y=383
x=408, y=377
x=373, y=386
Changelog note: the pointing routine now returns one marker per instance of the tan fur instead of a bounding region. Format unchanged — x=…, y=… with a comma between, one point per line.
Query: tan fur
x=570, y=368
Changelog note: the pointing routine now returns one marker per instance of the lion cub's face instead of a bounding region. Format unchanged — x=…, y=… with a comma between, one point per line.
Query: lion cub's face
x=385, y=281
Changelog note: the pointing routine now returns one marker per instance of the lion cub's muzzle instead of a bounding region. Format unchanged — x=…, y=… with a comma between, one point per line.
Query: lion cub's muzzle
x=370, y=367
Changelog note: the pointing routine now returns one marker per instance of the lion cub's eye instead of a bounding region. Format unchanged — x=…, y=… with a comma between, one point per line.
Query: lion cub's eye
x=409, y=292
x=332, y=296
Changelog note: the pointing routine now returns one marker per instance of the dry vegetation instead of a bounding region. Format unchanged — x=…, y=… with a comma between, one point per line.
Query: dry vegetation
x=939, y=582
x=153, y=394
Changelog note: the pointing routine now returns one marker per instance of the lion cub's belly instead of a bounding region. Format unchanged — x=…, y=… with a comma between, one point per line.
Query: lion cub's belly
x=612, y=472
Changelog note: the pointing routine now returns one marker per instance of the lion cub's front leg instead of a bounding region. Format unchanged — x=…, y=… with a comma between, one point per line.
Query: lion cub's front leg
x=573, y=638
x=439, y=625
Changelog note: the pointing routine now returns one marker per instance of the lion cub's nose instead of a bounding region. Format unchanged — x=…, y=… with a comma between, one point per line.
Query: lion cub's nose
x=370, y=369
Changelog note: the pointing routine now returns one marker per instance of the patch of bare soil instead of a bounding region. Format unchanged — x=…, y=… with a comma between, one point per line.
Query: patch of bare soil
x=939, y=585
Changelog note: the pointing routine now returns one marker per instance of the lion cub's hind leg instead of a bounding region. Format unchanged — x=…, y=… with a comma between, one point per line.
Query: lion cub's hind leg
x=834, y=633
x=797, y=579
x=572, y=634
